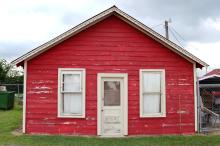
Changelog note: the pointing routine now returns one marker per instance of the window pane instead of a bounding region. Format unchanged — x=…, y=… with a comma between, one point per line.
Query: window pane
x=72, y=103
x=151, y=81
x=151, y=103
x=71, y=82
x=111, y=93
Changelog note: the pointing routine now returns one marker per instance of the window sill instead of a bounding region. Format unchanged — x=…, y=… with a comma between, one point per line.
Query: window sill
x=159, y=115
x=71, y=116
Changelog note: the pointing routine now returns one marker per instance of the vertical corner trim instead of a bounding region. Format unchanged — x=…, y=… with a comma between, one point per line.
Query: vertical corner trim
x=195, y=97
x=24, y=97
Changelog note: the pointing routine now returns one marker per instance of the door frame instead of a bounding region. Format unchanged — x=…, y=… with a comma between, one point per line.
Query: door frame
x=124, y=76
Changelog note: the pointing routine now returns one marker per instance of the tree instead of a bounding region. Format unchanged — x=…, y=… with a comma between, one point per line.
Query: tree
x=9, y=74
x=4, y=70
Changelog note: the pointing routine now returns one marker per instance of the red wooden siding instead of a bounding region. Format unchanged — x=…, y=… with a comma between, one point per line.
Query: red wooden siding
x=109, y=46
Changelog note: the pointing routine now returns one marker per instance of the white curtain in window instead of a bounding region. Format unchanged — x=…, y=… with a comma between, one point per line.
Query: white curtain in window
x=71, y=82
x=151, y=103
x=72, y=103
x=151, y=82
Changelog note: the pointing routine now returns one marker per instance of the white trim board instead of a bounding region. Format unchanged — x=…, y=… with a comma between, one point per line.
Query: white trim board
x=24, y=98
x=124, y=76
x=195, y=98
x=125, y=17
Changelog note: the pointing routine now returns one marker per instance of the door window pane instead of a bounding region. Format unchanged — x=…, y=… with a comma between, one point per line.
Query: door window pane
x=72, y=103
x=112, y=93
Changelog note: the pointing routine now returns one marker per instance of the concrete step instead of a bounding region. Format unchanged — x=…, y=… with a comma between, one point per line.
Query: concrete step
x=211, y=130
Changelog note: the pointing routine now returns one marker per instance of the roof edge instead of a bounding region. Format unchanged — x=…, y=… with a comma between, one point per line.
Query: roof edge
x=209, y=76
x=97, y=18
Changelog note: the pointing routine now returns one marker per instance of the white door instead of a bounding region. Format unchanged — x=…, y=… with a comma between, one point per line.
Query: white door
x=113, y=109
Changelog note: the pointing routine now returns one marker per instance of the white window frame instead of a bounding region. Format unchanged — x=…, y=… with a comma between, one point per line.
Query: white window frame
x=163, y=93
x=82, y=90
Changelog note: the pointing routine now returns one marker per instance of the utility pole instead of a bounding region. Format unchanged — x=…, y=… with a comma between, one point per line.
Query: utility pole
x=166, y=29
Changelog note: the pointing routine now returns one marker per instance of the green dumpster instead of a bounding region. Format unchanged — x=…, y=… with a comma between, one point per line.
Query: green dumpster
x=6, y=100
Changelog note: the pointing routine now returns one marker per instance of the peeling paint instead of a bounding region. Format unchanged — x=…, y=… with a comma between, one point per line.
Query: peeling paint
x=183, y=79
x=184, y=84
x=68, y=123
x=41, y=87
x=181, y=112
x=39, y=92
x=177, y=124
x=42, y=82
x=42, y=97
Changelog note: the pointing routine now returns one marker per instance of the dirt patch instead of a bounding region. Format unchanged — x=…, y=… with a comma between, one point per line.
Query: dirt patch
x=17, y=131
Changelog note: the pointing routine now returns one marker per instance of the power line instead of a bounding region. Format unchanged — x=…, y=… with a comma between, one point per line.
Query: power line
x=176, y=38
x=177, y=33
x=174, y=33
x=180, y=36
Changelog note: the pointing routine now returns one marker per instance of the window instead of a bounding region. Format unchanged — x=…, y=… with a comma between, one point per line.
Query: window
x=152, y=93
x=71, y=92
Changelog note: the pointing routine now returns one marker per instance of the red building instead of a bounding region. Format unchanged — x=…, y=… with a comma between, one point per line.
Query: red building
x=111, y=76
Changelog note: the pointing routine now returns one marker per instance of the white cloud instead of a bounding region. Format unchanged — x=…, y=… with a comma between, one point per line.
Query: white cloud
x=33, y=20
x=211, y=23
x=208, y=52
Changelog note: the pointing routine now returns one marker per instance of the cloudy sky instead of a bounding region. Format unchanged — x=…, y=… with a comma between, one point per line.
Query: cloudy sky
x=195, y=24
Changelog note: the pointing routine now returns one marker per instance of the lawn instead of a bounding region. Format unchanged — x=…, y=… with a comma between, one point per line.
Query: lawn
x=10, y=120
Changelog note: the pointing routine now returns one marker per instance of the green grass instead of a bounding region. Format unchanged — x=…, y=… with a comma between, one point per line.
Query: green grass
x=10, y=120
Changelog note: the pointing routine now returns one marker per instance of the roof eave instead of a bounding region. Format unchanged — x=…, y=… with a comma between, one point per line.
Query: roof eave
x=97, y=18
